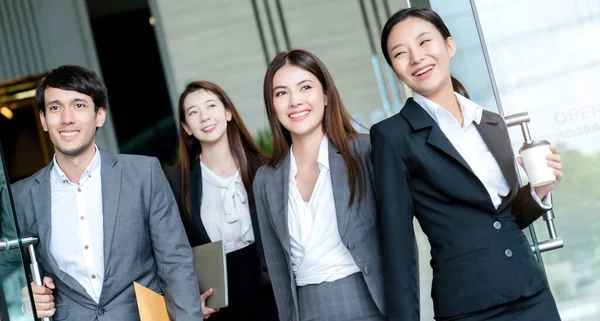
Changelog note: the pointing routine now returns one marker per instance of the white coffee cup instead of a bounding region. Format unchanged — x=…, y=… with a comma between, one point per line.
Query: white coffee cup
x=535, y=163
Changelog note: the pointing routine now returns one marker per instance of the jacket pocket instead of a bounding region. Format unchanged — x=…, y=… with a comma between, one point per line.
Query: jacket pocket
x=460, y=283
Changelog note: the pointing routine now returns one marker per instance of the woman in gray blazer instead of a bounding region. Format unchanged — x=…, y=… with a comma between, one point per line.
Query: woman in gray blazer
x=314, y=199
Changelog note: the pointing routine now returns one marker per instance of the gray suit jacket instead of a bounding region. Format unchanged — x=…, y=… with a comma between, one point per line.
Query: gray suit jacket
x=144, y=240
x=358, y=225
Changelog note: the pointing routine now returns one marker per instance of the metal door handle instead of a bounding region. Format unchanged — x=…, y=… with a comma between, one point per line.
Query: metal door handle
x=555, y=242
x=29, y=243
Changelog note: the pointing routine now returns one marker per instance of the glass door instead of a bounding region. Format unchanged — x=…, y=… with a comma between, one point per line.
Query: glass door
x=15, y=292
x=473, y=66
x=510, y=65
x=548, y=68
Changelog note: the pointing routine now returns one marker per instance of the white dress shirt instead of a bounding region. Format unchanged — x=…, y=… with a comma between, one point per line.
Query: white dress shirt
x=225, y=212
x=467, y=140
x=77, y=234
x=318, y=254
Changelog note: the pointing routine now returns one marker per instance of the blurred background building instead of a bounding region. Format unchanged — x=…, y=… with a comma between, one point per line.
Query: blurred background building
x=539, y=56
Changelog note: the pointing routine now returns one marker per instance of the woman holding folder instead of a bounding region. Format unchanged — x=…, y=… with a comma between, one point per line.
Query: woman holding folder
x=212, y=185
x=315, y=200
x=448, y=162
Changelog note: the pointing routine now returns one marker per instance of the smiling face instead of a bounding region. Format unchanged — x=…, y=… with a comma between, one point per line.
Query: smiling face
x=420, y=56
x=299, y=100
x=70, y=120
x=205, y=116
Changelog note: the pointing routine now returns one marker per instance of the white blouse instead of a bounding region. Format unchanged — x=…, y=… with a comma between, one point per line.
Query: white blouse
x=225, y=211
x=318, y=254
x=470, y=145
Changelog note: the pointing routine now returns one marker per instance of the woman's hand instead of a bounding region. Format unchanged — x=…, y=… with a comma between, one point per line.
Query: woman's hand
x=206, y=311
x=554, y=163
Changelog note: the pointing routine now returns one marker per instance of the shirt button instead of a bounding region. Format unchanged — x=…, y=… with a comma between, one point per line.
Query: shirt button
x=366, y=270
x=93, y=276
x=102, y=311
x=508, y=253
x=81, y=218
x=78, y=189
x=497, y=225
x=86, y=247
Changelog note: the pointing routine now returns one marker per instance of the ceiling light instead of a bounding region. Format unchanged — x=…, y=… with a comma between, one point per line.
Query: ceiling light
x=6, y=112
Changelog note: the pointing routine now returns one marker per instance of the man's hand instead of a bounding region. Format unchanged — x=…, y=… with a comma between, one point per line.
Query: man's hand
x=42, y=295
x=206, y=311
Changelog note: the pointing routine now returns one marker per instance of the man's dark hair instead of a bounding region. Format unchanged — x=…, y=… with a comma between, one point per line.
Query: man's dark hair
x=75, y=78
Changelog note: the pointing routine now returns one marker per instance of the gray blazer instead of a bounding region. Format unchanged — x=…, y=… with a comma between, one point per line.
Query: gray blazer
x=144, y=240
x=358, y=225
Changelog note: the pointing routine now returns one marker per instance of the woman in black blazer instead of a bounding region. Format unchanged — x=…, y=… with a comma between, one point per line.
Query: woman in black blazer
x=213, y=188
x=449, y=163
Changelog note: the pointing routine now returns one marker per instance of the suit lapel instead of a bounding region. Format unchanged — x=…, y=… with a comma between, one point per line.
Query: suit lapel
x=277, y=198
x=41, y=195
x=419, y=119
x=341, y=191
x=438, y=139
x=111, y=190
x=196, y=199
x=495, y=137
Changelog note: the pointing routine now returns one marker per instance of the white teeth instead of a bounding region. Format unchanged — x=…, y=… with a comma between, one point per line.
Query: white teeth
x=299, y=114
x=424, y=70
x=68, y=134
x=208, y=127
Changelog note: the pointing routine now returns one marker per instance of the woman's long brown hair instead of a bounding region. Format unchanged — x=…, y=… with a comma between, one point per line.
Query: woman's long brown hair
x=246, y=153
x=337, y=123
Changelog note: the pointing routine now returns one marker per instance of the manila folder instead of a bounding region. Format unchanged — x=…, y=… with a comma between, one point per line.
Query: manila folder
x=151, y=305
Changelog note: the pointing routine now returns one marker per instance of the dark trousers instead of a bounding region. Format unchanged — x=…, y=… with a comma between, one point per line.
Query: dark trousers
x=249, y=300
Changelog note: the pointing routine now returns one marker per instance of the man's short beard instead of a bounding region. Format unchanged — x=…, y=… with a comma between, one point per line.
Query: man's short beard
x=75, y=151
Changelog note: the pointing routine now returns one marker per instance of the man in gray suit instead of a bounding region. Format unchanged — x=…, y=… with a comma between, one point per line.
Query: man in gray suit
x=104, y=220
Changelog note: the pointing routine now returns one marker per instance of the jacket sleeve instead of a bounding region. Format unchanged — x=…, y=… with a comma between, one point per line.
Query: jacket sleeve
x=525, y=208
x=400, y=256
x=172, y=251
x=274, y=255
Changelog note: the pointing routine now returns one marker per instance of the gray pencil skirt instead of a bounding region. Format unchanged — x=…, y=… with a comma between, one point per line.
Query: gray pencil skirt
x=346, y=299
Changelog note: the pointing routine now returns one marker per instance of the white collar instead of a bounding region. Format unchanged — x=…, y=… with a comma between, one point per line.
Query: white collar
x=322, y=158
x=94, y=164
x=471, y=111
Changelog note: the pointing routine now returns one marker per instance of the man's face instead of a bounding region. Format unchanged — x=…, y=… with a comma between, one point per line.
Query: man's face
x=70, y=120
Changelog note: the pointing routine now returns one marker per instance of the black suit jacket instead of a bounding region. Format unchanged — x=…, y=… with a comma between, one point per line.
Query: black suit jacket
x=480, y=256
